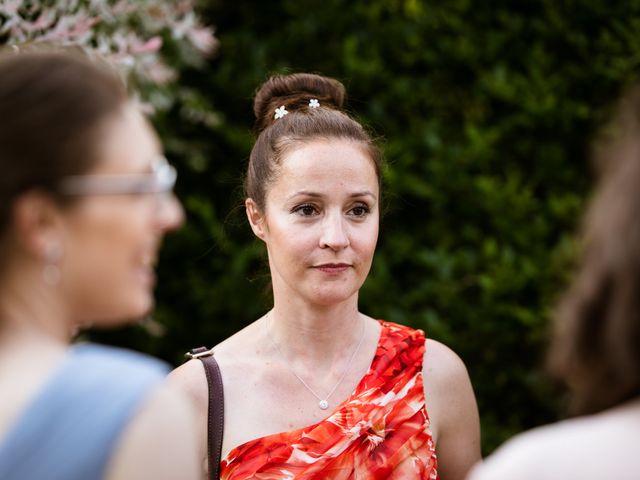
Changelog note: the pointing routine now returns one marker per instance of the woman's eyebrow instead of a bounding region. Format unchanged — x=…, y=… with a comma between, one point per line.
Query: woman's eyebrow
x=364, y=193
x=312, y=194
x=305, y=193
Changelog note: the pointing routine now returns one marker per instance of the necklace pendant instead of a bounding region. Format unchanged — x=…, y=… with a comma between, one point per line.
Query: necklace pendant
x=323, y=404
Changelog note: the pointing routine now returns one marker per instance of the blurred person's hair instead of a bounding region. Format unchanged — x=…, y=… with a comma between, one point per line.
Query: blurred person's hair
x=596, y=346
x=54, y=102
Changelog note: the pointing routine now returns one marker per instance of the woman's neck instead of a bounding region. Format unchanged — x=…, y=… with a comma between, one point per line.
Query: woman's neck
x=29, y=351
x=34, y=315
x=322, y=335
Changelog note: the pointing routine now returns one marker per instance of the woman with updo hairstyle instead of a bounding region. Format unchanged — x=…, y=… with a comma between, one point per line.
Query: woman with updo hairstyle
x=315, y=388
x=595, y=347
x=85, y=199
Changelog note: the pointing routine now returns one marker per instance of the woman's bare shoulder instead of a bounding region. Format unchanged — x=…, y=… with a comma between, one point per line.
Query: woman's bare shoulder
x=453, y=413
x=190, y=377
x=442, y=366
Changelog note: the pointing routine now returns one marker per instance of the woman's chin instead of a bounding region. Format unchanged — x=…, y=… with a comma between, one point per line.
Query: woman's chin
x=331, y=297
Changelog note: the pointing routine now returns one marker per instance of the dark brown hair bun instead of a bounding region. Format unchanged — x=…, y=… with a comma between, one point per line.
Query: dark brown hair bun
x=298, y=121
x=294, y=91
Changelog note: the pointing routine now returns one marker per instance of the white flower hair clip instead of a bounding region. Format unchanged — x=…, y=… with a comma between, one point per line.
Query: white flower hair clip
x=314, y=103
x=280, y=112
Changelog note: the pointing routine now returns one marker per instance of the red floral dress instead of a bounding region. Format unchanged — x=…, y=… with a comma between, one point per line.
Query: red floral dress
x=380, y=431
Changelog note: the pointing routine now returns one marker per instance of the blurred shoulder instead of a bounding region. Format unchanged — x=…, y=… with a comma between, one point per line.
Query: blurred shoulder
x=514, y=459
x=105, y=360
x=570, y=449
x=156, y=445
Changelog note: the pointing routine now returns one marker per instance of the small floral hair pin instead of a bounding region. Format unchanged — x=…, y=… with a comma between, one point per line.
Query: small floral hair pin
x=280, y=112
x=314, y=103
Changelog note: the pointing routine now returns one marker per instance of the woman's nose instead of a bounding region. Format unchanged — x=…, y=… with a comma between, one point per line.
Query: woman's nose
x=334, y=233
x=170, y=214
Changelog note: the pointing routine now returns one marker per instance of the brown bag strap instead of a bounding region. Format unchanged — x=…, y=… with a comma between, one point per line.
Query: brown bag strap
x=216, y=407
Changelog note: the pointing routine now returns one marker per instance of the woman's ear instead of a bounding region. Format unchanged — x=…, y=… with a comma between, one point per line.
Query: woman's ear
x=256, y=218
x=36, y=221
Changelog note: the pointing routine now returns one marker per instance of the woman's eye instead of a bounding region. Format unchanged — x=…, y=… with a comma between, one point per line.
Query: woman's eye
x=360, y=211
x=305, y=210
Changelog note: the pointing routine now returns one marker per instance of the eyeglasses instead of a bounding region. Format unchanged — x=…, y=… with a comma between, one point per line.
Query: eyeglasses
x=161, y=180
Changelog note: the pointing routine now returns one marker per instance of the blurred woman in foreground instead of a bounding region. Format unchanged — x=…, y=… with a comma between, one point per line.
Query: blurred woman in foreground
x=85, y=199
x=596, y=347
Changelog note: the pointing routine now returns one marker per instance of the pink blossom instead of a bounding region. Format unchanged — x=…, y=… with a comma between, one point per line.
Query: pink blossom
x=202, y=39
x=83, y=25
x=10, y=7
x=152, y=45
x=184, y=6
x=44, y=21
x=129, y=34
x=159, y=73
x=122, y=7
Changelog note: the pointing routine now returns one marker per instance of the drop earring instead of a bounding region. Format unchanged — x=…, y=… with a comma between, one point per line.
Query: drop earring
x=51, y=271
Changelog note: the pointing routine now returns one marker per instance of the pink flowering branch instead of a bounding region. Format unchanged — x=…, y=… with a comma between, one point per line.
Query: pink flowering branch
x=128, y=33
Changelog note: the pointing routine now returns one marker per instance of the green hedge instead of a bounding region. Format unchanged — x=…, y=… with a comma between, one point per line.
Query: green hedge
x=484, y=110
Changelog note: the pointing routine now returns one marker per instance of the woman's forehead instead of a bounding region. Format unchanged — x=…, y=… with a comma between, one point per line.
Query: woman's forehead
x=129, y=143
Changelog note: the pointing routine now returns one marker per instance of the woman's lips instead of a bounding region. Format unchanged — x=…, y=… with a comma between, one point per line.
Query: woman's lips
x=146, y=269
x=147, y=276
x=332, y=268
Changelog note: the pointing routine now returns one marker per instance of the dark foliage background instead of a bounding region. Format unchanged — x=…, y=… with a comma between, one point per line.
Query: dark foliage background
x=485, y=111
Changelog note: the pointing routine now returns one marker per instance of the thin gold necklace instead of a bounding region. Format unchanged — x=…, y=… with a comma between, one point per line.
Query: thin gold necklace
x=323, y=403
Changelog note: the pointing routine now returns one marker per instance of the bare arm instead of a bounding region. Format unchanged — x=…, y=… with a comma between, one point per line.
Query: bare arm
x=452, y=408
x=160, y=442
x=191, y=379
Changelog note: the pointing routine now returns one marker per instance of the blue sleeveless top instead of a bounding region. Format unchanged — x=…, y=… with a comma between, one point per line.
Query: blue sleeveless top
x=70, y=429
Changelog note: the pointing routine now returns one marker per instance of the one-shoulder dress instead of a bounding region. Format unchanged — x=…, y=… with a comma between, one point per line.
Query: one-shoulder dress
x=381, y=431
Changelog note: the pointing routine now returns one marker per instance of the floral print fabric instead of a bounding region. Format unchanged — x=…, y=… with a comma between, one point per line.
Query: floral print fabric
x=381, y=431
